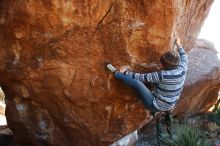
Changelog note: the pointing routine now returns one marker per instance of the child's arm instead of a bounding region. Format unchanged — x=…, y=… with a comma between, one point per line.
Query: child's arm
x=153, y=77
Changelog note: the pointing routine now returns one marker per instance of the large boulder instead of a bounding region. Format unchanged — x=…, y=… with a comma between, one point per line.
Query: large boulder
x=51, y=70
x=201, y=89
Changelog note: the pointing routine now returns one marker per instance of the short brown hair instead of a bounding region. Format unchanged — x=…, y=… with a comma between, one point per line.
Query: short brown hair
x=170, y=60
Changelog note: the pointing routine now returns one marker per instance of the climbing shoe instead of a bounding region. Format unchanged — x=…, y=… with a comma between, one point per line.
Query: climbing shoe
x=111, y=67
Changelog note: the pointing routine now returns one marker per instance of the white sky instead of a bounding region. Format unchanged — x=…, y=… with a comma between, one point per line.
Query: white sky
x=211, y=28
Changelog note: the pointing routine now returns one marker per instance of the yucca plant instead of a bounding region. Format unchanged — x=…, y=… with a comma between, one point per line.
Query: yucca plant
x=185, y=135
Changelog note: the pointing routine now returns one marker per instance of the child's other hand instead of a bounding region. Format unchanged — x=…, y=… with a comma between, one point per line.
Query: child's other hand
x=178, y=43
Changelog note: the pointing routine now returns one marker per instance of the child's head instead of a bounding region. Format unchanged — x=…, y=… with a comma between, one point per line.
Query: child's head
x=170, y=60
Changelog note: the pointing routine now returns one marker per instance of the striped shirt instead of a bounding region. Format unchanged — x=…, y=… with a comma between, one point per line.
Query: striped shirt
x=168, y=83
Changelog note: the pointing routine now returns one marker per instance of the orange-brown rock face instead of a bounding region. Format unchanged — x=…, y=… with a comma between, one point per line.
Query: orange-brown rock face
x=52, y=52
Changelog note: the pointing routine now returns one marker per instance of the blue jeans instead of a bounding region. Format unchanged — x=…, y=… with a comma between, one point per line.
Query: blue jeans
x=144, y=93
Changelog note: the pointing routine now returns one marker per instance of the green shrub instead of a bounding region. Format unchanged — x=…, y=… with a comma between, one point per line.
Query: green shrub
x=185, y=135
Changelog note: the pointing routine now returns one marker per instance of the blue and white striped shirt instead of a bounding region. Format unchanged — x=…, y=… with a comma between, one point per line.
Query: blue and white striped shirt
x=168, y=83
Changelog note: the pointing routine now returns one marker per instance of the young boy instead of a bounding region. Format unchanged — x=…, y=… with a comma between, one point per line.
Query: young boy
x=168, y=82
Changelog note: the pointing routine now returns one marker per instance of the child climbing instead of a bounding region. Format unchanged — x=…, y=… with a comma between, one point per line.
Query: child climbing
x=168, y=82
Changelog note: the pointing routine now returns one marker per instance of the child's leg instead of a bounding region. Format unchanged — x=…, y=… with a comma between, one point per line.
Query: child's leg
x=168, y=122
x=144, y=93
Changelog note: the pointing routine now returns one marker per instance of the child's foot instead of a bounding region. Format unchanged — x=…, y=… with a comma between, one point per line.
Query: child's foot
x=111, y=67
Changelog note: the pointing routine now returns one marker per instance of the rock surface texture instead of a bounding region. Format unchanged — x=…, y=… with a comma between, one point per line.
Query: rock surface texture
x=51, y=64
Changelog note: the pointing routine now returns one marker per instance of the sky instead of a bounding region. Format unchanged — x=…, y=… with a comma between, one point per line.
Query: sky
x=211, y=28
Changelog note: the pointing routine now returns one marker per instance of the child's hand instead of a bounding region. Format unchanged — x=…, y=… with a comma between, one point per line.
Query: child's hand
x=123, y=69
